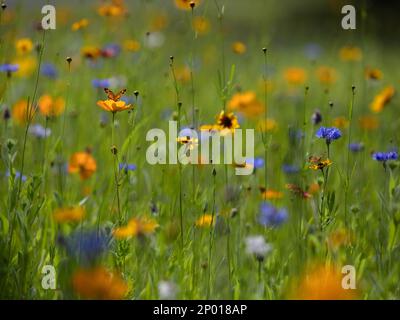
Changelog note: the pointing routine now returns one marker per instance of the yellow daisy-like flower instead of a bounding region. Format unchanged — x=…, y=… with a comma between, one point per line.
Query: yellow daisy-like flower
x=206, y=220
x=136, y=227
x=227, y=122
x=319, y=164
x=98, y=283
x=81, y=24
x=239, y=47
x=190, y=142
x=185, y=4
x=382, y=99
x=113, y=106
x=23, y=46
x=71, y=214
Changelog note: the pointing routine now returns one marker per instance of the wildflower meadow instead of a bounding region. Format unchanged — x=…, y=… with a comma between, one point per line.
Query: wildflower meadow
x=205, y=149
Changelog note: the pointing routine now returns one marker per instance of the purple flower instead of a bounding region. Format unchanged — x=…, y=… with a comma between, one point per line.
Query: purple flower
x=356, y=147
x=17, y=176
x=385, y=156
x=101, y=83
x=127, y=166
x=271, y=216
x=290, y=168
x=8, y=67
x=328, y=134
x=256, y=162
x=49, y=70
x=38, y=131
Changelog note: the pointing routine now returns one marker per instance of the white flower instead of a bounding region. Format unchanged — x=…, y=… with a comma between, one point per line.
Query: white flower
x=167, y=290
x=256, y=245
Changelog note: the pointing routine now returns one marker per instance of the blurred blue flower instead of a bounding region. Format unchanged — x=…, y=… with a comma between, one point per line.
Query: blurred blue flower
x=356, y=147
x=256, y=162
x=17, y=175
x=127, y=166
x=111, y=50
x=385, y=156
x=290, y=168
x=39, y=131
x=271, y=216
x=49, y=70
x=86, y=246
x=328, y=134
x=101, y=83
x=8, y=67
x=312, y=51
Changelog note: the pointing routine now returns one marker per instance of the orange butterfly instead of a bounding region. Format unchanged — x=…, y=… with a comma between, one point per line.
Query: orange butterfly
x=112, y=96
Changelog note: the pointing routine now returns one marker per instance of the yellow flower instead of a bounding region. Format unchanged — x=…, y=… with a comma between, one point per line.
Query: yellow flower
x=27, y=66
x=238, y=47
x=23, y=46
x=318, y=163
x=183, y=74
x=350, y=53
x=201, y=25
x=188, y=141
x=373, y=74
x=339, y=237
x=82, y=163
x=185, y=4
x=136, y=227
x=206, y=220
x=246, y=103
x=98, y=283
x=81, y=24
x=131, y=45
x=270, y=194
x=267, y=125
x=21, y=113
x=113, y=106
x=227, y=122
x=382, y=99
x=50, y=107
x=159, y=22
x=114, y=9
x=368, y=122
x=326, y=75
x=321, y=282
x=295, y=76
x=71, y=214
x=91, y=52
x=340, y=122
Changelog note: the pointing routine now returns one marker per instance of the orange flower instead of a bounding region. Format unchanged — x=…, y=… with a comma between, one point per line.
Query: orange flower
x=50, y=107
x=113, y=106
x=82, y=163
x=132, y=45
x=98, y=283
x=71, y=214
x=272, y=194
x=373, y=74
x=23, y=46
x=350, y=53
x=321, y=282
x=185, y=4
x=91, y=52
x=246, y=103
x=21, y=113
x=368, y=122
x=382, y=99
x=326, y=75
x=295, y=76
x=114, y=9
x=340, y=122
x=81, y=24
x=136, y=227
x=238, y=47
x=339, y=237
x=201, y=25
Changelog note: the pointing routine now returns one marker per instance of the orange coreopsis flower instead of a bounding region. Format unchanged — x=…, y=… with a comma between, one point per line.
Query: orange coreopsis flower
x=373, y=74
x=81, y=24
x=382, y=99
x=24, y=46
x=91, y=52
x=369, y=122
x=239, y=47
x=82, y=163
x=326, y=75
x=246, y=103
x=131, y=45
x=340, y=122
x=295, y=76
x=98, y=283
x=22, y=113
x=113, y=106
x=270, y=194
x=201, y=25
x=71, y=214
x=321, y=282
x=136, y=227
x=350, y=53
x=51, y=107
x=115, y=8
x=185, y=4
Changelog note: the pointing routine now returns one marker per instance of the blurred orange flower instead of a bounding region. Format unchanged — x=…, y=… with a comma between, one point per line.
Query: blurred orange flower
x=81, y=24
x=350, y=53
x=115, y=8
x=21, y=113
x=201, y=25
x=326, y=75
x=205, y=221
x=23, y=46
x=239, y=47
x=368, y=122
x=340, y=122
x=69, y=214
x=246, y=103
x=136, y=227
x=51, y=107
x=131, y=45
x=98, y=283
x=373, y=74
x=185, y=4
x=82, y=163
x=382, y=99
x=295, y=76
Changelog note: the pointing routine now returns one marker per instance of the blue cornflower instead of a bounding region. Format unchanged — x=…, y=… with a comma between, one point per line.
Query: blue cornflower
x=49, y=70
x=290, y=168
x=86, y=246
x=127, y=166
x=385, y=156
x=101, y=83
x=8, y=67
x=271, y=216
x=17, y=175
x=255, y=162
x=39, y=131
x=356, y=147
x=328, y=134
